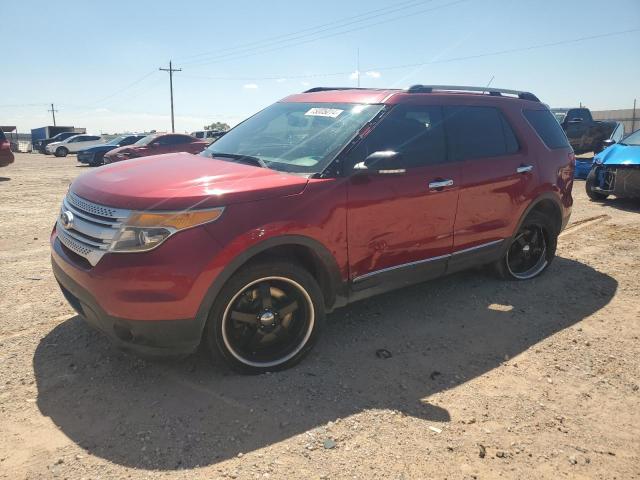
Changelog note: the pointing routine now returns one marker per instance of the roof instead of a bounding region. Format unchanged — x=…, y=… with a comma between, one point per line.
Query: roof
x=372, y=95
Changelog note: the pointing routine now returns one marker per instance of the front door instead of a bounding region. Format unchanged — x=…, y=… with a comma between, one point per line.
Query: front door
x=400, y=218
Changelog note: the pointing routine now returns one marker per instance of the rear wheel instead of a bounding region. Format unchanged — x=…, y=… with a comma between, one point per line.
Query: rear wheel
x=590, y=183
x=266, y=318
x=61, y=152
x=531, y=250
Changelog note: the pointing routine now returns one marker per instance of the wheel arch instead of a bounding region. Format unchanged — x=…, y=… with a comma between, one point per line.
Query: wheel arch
x=307, y=252
x=548, y=204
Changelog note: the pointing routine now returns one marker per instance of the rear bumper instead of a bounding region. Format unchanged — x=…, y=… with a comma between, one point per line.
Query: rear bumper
x=154, y=338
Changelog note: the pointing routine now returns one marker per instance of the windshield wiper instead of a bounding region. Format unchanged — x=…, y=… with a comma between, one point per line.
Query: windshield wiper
x=248, y=159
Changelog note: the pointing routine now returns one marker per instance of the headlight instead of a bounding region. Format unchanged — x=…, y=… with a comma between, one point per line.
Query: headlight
x=597, y=160
x=146, y=230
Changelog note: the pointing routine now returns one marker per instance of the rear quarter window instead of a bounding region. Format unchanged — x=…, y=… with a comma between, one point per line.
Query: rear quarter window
x=547, y=128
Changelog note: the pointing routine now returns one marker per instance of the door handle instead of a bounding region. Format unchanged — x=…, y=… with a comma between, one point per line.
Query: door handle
x=524, y=168
x=438, y=184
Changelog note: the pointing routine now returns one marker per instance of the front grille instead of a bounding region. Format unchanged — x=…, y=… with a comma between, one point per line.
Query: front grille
x=92, y=229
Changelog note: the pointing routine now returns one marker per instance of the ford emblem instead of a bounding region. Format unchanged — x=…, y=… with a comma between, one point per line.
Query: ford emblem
x=67, y=219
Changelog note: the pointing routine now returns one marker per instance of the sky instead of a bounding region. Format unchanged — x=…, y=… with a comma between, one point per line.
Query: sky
x=98, y=63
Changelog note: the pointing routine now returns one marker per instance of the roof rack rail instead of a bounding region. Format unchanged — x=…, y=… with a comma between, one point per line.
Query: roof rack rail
x=326, y=89
x=457, y=88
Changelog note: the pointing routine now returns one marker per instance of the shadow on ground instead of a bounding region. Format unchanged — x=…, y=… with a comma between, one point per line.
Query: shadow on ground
x=169, y=415
x=4, y=179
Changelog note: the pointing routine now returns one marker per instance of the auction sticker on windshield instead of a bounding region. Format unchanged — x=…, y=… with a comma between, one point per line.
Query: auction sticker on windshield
x=324, y=112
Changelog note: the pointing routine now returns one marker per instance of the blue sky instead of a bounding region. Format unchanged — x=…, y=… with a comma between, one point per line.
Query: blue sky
x=99, y=64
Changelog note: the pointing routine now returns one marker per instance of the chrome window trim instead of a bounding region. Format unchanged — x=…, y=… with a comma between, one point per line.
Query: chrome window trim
x=426, y=260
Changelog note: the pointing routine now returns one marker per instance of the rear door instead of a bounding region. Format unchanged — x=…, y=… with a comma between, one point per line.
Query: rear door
x=400, y=218
x=498, y=176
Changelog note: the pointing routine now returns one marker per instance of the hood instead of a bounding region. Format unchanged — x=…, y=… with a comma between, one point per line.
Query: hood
x=619, y=155
x=98, y=148
x=181, y=180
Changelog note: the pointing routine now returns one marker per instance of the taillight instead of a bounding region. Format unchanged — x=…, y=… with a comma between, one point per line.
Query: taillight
x=5, y=145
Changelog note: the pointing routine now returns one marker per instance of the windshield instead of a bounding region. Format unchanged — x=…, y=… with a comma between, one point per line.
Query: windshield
x=145, y=140
x=295, y=137
x=632, y=139
x=116, y=141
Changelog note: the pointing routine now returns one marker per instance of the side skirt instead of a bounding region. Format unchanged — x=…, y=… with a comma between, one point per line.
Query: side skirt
x=393, y=278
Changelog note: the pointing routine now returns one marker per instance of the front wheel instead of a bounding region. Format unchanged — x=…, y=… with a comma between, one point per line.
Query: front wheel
x=266, y=318
x=590, y=183
x=61, y=152
x=531, y=250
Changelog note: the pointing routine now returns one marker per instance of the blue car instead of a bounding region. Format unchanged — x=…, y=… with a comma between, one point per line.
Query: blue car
x=94, y=156
x=583, y=165
x=616, y=170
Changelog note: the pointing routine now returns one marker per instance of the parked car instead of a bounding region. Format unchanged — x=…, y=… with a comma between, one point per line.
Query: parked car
x=41, y=145
x=157, y=144
x=95, y=155
x=74, y=144
x=210, y=135
x=616, y=170
x=322, y=199
x=584, y=164
x=6, y=155
x=584, y=133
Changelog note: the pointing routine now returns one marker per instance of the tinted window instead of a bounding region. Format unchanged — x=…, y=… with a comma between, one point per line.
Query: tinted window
x=477, y=132
x=128, y=140
x=2, y=137
x=414, y=131
x=173, y=140
x=547, y=128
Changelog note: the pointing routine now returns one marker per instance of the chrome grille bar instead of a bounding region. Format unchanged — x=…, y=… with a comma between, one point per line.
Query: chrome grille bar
x=92, y=229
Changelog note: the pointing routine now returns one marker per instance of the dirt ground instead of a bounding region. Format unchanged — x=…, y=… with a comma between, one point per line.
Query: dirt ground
x=487, y=378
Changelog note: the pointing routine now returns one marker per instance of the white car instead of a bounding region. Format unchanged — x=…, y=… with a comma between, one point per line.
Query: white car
x=73, y=144
x=208, y=135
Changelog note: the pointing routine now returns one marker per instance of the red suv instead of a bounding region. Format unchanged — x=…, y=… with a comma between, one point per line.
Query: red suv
x=157, y=144
x=6, y=155
x=322, y=199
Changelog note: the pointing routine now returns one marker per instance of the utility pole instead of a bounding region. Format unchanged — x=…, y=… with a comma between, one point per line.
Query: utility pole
x=171, y=70
x=633, y=118
x=53, y=112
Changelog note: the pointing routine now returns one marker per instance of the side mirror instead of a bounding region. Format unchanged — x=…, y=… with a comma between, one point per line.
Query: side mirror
x=384, y=161
x=608, y=142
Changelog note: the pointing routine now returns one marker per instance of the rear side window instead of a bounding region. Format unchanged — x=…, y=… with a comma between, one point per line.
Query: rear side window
x=478, y=132
x=547, y=128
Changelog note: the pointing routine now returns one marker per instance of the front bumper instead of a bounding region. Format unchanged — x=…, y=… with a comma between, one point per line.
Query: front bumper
x=87, y=158
x=146, y=302
x=155, y=338
x=618, y=180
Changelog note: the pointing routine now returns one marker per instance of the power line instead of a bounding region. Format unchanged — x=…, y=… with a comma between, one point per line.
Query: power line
x=300, y=40
x=171, y=70
x=269, y=40
x=430, y=62
x=127, y=87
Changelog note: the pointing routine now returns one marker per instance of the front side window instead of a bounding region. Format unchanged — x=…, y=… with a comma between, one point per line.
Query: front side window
x=415, y=132
x=478, y=132
x=294, y=137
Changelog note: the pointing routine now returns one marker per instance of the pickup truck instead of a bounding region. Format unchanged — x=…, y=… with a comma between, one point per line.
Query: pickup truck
x=584, y=133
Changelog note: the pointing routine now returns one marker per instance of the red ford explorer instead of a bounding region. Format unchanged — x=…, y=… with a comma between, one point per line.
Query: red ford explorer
x=322, y=199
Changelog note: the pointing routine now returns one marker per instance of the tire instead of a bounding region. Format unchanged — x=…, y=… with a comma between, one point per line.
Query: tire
x=589, y=184
x=61, y=152
x=261, y=338
x=532, y=249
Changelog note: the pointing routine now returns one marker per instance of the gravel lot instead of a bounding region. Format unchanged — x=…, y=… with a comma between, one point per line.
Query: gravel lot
x=486, y=379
